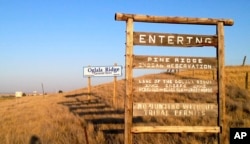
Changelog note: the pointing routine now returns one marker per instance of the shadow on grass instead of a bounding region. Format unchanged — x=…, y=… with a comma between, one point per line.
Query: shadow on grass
x=76, y=95
x=114, y=131
x=96, y=111
x=100, y=111
x=87, y=107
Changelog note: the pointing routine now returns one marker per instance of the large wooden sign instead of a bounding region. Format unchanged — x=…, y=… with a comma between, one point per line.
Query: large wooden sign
x=174, y=62
x=178, y=62
x=180, y=40
x=175, y=109
x=175, y=85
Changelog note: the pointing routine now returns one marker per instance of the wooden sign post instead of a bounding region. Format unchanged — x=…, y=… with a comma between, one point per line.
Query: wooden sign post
x=163, y=62
x=221, y=79
x=114, y=90
x=129, y=82
x=89, y=87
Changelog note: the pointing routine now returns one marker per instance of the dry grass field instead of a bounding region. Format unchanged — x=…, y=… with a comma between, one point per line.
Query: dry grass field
x=76, y=118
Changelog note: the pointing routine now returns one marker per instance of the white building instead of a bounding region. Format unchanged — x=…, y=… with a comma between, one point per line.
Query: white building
x=19, y=94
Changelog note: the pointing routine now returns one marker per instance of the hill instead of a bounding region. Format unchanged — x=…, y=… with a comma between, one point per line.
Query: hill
x=75, y=117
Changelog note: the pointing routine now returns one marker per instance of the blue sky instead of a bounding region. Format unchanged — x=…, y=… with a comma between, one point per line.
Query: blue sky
x=49, y=41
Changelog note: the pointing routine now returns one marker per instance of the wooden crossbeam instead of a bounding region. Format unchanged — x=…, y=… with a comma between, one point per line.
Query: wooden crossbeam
x=173, y=20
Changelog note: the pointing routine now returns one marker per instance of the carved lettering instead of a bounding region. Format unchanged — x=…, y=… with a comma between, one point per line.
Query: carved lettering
x=175, y=109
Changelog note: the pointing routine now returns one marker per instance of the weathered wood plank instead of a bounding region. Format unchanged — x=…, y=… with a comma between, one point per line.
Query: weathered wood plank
x=173, y=20
x=177, y=40
x=175, y=85
x=175, y=109
x=174, y=81
x=174, y=62
x=175, y=129
x=208, y=89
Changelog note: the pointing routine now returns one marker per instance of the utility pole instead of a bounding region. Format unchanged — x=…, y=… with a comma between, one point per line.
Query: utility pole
x=244, y=60
x=42, y=88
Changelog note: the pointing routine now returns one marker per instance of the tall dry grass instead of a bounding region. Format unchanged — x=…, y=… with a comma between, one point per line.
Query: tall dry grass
x=37, y=118
x=75, y=117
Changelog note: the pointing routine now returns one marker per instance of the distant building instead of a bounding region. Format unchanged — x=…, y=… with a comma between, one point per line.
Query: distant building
x=34, y=93
x=19, y=94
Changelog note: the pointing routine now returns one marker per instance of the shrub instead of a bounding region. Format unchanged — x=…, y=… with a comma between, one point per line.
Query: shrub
x=60, y=91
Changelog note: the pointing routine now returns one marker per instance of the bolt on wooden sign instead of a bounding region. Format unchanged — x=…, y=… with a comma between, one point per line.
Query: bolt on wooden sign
x=99, y=71
x=175, y=109
x=176, y=85
x=174, y=62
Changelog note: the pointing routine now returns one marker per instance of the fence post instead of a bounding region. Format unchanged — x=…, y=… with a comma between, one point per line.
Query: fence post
x=246, y=81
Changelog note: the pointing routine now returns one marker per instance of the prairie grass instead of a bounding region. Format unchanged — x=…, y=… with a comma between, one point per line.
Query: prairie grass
x=75, y=117
x=41, y=118
x=4, y=98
